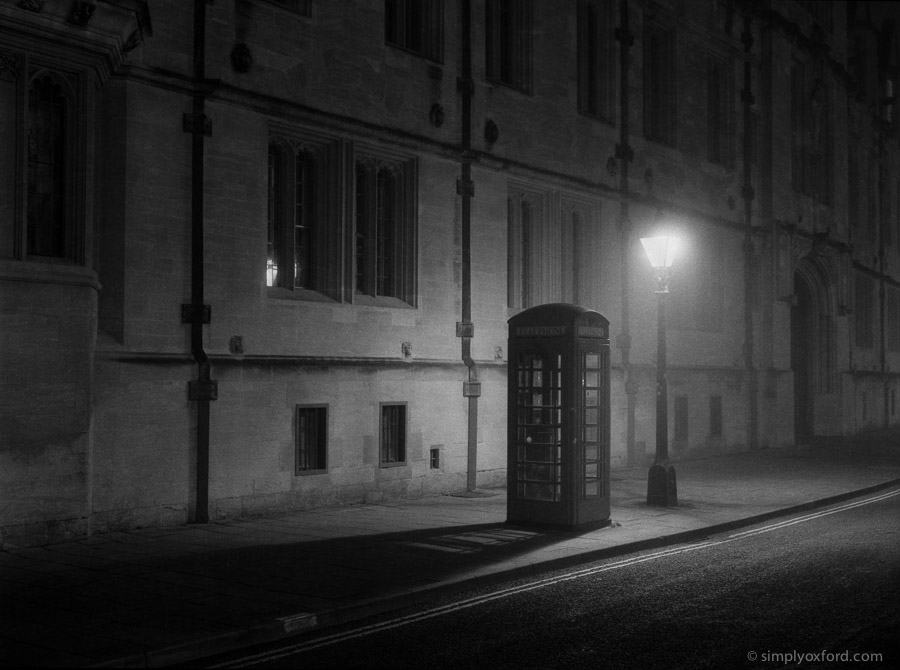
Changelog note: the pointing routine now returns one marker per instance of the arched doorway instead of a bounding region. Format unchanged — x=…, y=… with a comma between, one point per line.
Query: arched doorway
x=816, y=403
x=802, y=362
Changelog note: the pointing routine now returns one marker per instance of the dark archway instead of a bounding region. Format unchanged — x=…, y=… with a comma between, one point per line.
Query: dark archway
x=813, y=357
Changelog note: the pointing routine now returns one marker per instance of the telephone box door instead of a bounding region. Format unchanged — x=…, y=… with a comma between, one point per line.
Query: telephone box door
x=558, y=435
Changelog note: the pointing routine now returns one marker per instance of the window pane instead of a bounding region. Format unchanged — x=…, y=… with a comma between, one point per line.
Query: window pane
x=47, y=108
x=304, y=219
x=385, y=222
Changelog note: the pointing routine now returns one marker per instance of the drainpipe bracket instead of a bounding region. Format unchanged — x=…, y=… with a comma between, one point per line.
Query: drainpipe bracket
x=465, y=329
x=197, y=123
x=196, y=313
x=465, y=187
x=471, y=389
x=203, y=389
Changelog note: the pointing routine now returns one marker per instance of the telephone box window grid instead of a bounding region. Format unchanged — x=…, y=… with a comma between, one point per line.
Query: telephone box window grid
x=539, y=428
x=595, y=427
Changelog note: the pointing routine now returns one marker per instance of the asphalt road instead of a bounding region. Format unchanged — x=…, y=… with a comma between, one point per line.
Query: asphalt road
x=807, y=591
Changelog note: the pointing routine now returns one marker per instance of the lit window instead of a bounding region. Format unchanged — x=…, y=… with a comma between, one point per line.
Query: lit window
x=303, y=240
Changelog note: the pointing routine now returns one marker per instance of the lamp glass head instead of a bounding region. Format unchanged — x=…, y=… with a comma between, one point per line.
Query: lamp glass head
x=660, y=250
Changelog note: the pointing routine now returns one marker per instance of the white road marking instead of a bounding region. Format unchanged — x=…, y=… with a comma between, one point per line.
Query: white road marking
x=362, y=631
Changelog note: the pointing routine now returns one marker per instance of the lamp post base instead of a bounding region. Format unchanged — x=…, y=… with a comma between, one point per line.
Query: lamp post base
x=661, y=487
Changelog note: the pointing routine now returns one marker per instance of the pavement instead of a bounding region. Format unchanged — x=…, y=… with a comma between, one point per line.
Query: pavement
x=163, y=596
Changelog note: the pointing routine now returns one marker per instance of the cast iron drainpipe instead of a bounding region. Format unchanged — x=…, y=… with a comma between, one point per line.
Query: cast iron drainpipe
x=625, y=154
x=203, y=390
x=466, y=189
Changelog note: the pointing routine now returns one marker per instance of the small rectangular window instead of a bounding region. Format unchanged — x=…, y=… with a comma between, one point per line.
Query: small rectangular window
x=393, y=434
x=435, y=460
x=681, y=418
x=312, y=439
x=715, y=416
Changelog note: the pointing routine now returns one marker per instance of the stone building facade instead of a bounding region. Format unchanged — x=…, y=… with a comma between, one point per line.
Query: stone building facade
x=259, y=255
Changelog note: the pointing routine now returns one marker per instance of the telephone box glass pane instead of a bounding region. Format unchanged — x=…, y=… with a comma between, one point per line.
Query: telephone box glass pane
x=539, y=427
x=594, y=440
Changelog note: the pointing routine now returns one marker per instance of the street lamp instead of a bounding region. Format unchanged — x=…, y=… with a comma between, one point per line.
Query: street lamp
x=661, y=486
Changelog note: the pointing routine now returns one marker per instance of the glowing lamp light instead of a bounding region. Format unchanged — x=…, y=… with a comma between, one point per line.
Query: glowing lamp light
x=660, y=250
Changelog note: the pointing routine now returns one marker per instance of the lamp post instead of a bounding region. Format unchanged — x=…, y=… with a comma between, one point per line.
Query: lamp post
x=661, y=485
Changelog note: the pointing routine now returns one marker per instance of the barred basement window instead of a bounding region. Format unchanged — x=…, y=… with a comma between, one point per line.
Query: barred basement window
x=864, y=311
x=393, y=434
x=384, y=231
x=659, y=84
x=720, y=111
x=508, y=49
x=597, y=59
x=303, y=228
x=312, y=439
x=715, y=416
x=415, y=25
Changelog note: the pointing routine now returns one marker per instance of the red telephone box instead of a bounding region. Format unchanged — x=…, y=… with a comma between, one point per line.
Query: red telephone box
x=558, y=418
